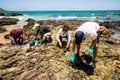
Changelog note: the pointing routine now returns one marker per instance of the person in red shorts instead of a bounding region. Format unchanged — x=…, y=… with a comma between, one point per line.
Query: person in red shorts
x=17, y=36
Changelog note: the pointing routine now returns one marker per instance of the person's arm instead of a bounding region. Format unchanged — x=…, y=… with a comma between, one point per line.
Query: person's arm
x=78, y=48
x=73, y=46
x=37, y=32
x=95, y=51
x=11, y=36
x=69, y=38
x=22, y=34
x=58, y=35
x=102, y=28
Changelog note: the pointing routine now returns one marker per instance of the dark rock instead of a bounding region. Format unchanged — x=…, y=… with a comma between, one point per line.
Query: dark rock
x=110, y=42
x=2, y=10
x=7, y=36
x=75, y=76
x=2, y=29
x=30, y=20
x=14, y=14
x=1, y=78
x=8, y=21
x=8, y=55
x=2, y=14
x=106, y=78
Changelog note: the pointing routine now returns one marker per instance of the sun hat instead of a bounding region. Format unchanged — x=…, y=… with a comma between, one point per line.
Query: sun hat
x=78, y=37
x=35, y=26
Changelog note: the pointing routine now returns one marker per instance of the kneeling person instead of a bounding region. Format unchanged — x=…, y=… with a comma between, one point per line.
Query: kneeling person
x=44, y=32
x=17, y=36
x=63, y=33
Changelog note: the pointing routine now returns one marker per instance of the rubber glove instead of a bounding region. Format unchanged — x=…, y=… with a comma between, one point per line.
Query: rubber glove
x=34, y=38
x=32, y=43
x=60, y=43
x=90, y=50
x=40, y=41
x=13, y=41
x=24, y=41
x=67, y=46
x=72, y=57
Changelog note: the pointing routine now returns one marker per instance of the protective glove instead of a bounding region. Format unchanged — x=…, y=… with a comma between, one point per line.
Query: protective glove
x=34, y=38
x=24, y=41
x=67, y=46
x=40, y=41
x=13, y=42
x=60, y=43
x=72, y=57
x=90, y=50
x=32, y=43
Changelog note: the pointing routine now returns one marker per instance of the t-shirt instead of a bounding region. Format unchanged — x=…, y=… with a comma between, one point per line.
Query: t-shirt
x=14, y=33
x=42, y=30
x=63, y=35
x=89, y=29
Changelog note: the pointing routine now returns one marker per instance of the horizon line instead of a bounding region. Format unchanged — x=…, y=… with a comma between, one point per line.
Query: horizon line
x=66, y=10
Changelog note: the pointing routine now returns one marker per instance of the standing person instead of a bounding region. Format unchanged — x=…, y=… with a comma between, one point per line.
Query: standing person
x=44, y=32
x=90, y=30
x=17, y=36
x=63, y=33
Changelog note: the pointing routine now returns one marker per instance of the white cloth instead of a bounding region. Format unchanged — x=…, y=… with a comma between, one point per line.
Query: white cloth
x=63, y=35
x=89, y=29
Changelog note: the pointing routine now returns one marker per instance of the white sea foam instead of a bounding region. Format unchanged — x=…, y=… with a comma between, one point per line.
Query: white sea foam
x=66, y=17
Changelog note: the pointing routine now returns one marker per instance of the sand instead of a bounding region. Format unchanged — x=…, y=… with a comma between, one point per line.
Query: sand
x=9, y=27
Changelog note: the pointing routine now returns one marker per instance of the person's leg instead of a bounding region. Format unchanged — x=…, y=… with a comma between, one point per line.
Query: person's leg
x=67, y=45
x=19, y=41
x=78, y=48
x=96, y=44
x=60, y=38
x=72, y=46
x=47, y=35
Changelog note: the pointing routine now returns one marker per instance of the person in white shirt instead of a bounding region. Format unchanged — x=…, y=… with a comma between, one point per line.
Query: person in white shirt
x=63, y=33
x=90, y=30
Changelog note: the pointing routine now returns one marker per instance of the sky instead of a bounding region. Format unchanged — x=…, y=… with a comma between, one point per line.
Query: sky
x=23, y=5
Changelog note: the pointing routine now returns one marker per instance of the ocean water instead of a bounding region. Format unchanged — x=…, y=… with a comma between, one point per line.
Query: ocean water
x=110, y=15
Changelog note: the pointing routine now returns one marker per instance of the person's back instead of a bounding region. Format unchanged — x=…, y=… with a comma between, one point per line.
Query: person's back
x=90, y=29
x=44, y=29
x=15, y=32
x=17, y=36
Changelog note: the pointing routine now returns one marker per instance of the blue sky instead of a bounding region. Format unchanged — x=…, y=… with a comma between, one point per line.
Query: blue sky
x=60, y=4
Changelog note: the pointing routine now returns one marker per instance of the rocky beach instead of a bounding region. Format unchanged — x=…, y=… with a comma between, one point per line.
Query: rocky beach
x=48, y=62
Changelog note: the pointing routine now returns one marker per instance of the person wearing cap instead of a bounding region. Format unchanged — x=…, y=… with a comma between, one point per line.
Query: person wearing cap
x=17, y=36
x=90, y=30
x=63, y=33
x=44, y=32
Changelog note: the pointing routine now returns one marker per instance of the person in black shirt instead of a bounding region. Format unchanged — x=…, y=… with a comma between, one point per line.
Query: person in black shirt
x=44, y=32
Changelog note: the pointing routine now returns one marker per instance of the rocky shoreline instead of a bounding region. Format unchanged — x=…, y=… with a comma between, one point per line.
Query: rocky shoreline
x=48, y=62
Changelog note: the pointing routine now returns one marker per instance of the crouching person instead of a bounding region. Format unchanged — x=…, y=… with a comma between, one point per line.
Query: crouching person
x=44, y=33
x=17, y=36
x=63, y=34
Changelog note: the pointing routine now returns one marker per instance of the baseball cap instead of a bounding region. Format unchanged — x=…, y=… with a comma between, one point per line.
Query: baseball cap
x=78, y=37
x=35, y=26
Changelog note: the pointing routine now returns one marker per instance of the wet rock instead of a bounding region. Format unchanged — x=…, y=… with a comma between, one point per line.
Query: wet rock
x=8, y=55
x=44, y=64
x=2, y=29
x=30, y=20
x=75, y=76
x=2, y=14
x=51, y=76
x=106, y=78
x=48, y=62
x=29, y=75
x=8, y=21
x=14, y=14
